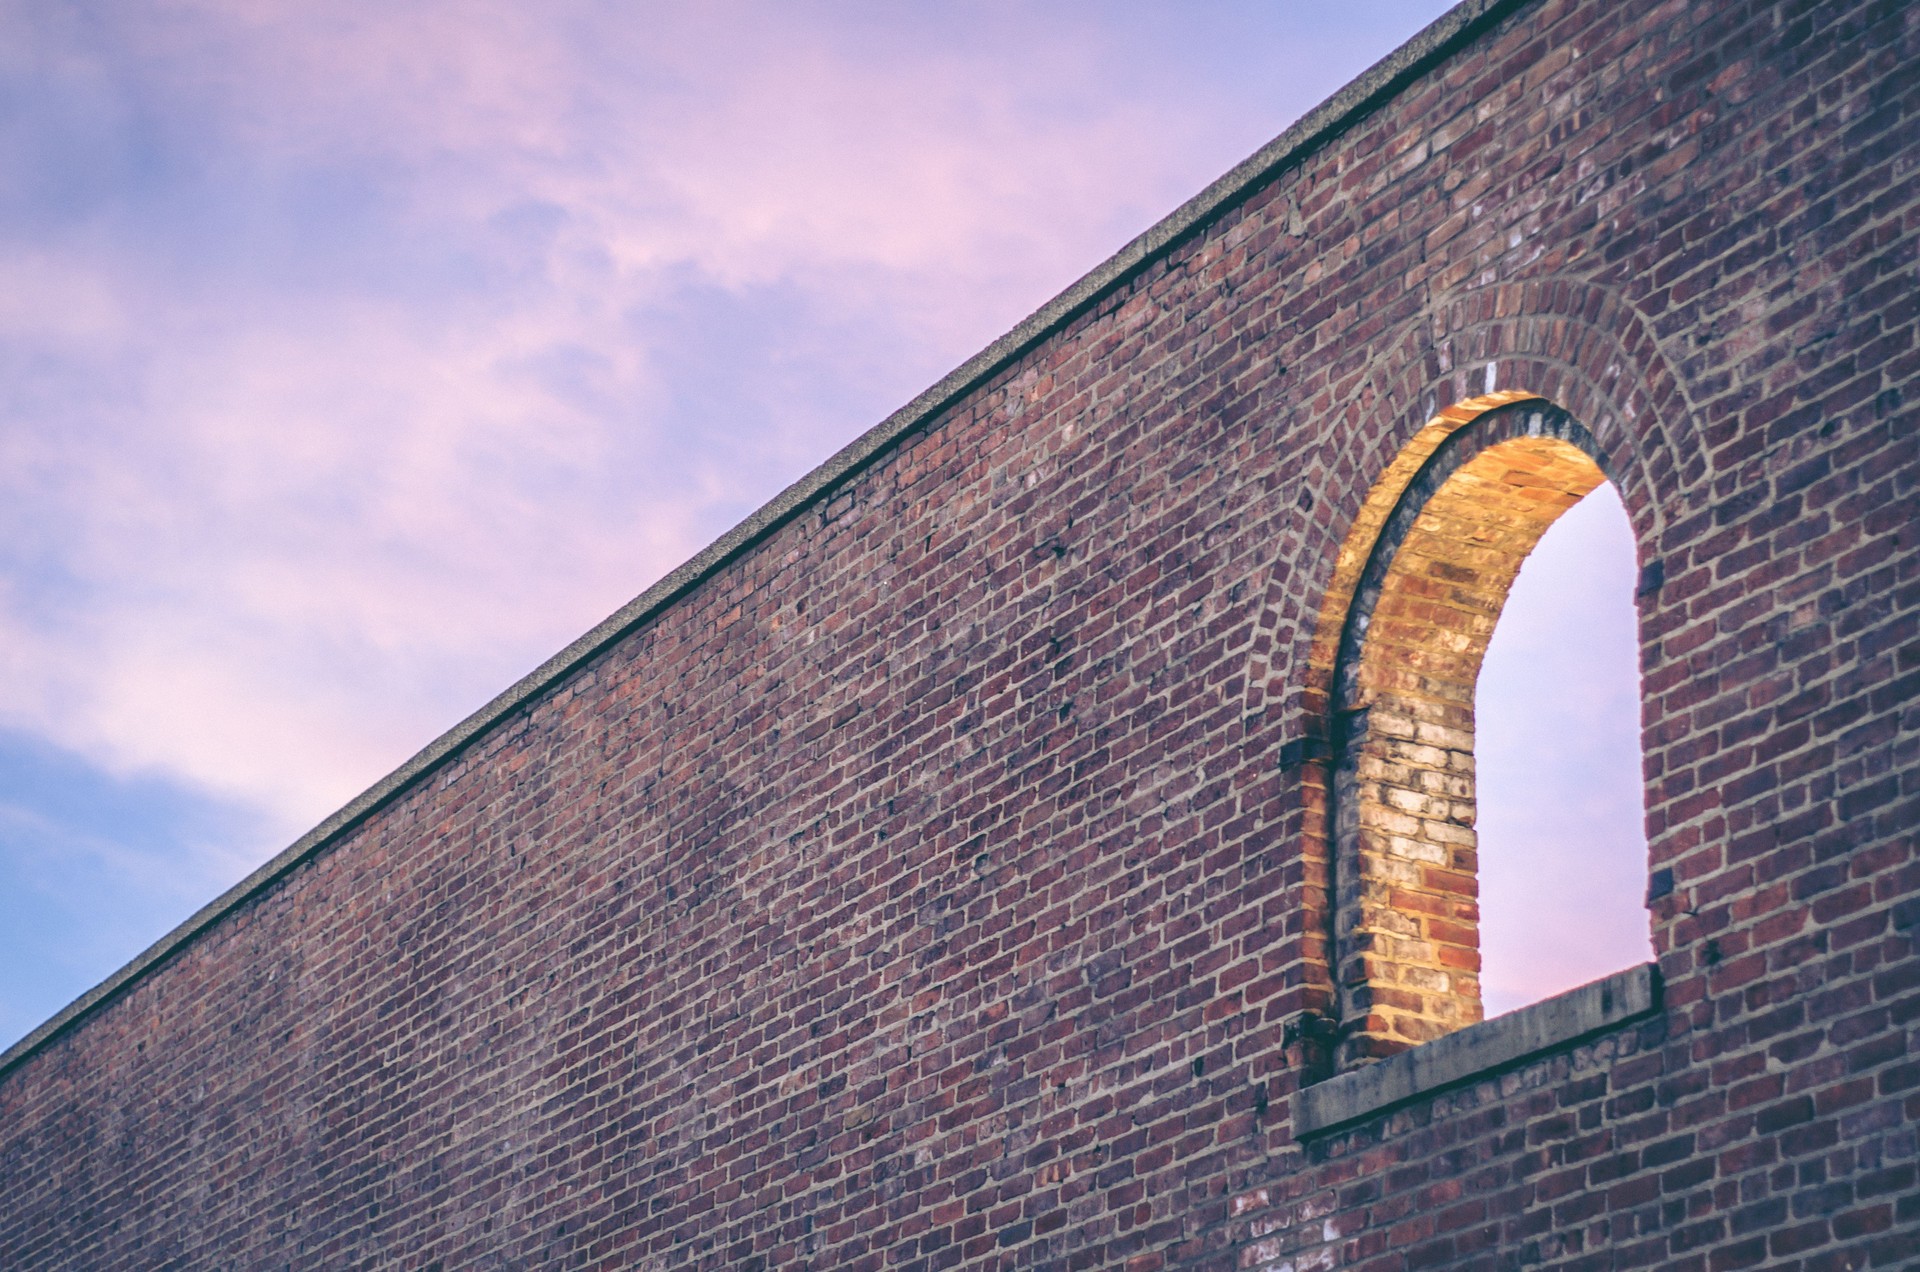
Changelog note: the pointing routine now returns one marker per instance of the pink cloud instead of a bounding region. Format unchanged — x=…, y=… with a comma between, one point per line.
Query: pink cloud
x=367, y=363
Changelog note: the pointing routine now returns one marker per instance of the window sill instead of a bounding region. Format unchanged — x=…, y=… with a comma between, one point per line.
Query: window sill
x=1477, y=1050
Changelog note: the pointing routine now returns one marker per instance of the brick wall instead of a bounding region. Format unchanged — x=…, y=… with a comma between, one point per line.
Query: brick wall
x=934, y=882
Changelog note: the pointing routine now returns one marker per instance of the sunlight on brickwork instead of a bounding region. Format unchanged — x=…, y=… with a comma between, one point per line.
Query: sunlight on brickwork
x=1406, y=798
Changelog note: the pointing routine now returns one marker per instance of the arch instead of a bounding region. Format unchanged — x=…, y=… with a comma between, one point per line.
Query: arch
x=1566, y=340
x=1583, y=346
x=1408, y=647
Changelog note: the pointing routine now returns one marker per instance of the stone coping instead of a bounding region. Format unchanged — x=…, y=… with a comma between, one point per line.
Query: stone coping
x=1376, y=86
x=1477, y=1051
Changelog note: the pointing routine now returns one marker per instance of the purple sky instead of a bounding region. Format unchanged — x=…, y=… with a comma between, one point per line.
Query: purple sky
x=356, y=356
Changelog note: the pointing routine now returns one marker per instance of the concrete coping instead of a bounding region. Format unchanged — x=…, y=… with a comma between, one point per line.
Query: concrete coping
x=1477, y=1051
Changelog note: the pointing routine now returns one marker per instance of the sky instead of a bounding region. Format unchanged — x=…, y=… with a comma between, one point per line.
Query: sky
x=355, y=357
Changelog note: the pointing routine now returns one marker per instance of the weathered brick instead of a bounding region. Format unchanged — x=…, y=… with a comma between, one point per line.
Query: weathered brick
x=939, y=878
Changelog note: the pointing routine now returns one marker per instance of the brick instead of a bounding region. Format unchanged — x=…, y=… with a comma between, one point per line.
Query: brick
x=938, y=879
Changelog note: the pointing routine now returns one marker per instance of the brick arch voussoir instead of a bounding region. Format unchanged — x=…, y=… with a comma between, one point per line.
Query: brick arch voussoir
x=1583, y=347
x=1580, y=346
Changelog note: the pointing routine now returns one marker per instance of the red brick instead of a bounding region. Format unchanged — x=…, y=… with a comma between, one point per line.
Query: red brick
x=869, y=904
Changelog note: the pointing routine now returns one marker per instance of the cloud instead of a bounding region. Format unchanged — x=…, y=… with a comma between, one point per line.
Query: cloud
x=360, y=355
x=93, y=870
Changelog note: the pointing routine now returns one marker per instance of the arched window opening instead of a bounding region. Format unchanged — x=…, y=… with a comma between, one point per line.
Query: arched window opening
x=1405, y=793
x=1561, y=816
